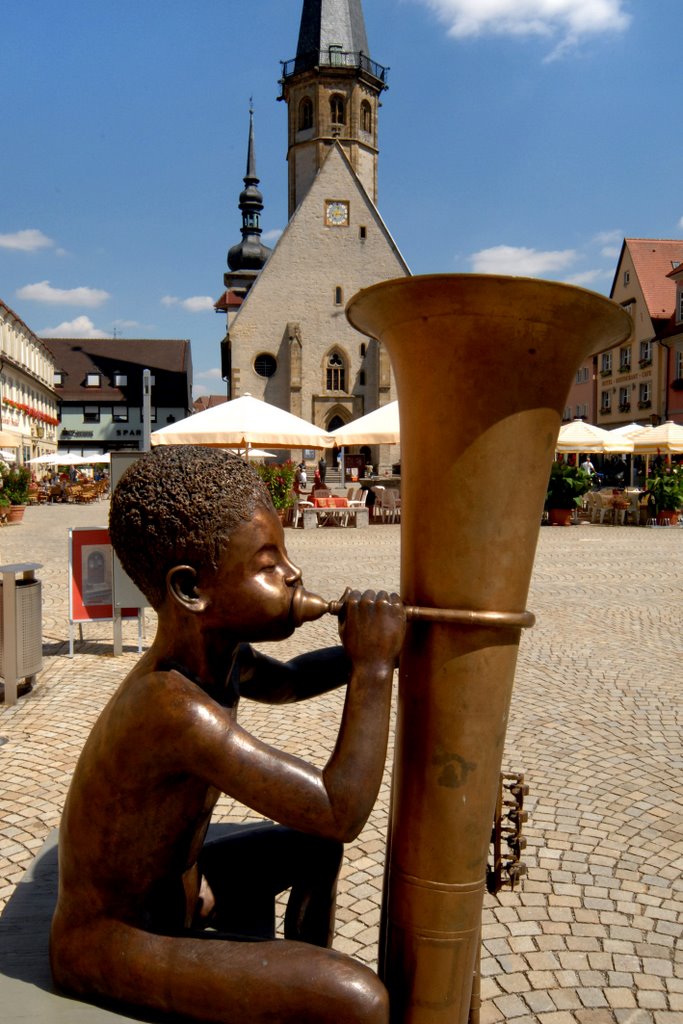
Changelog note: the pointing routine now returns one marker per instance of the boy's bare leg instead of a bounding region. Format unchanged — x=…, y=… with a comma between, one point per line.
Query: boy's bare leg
x=247, y=871
x=218, y=980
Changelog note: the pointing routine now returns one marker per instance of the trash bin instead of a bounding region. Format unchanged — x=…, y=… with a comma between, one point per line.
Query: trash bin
x=21, y=626
x=28, y=630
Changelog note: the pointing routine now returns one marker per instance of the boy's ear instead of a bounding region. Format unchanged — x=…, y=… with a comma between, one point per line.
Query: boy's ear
x=181, y=585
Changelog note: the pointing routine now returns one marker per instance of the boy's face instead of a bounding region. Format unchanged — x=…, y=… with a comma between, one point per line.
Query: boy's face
x=251, y=591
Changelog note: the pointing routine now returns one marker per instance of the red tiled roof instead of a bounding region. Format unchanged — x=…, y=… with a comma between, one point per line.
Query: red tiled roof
x=653, y=259
x=228, y=300
x=207, y=402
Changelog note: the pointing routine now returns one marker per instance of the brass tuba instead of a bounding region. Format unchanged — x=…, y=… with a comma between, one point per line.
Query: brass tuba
x=483, y=366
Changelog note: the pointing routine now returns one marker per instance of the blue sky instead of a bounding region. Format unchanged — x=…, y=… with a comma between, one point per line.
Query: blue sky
x=517, y=136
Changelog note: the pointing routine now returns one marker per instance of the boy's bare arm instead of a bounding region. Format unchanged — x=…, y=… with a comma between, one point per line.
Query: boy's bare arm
x=270, y=681
x=336, y=801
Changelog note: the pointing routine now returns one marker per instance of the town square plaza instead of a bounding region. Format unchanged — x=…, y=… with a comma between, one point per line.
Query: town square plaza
x=594, y=934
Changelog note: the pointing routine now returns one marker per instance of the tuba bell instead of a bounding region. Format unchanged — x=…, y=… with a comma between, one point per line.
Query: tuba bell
x=483, y=366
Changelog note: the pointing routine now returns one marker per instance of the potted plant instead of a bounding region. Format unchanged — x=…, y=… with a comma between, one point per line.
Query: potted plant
x=665, y=494
x=15, y=486
x=566, y=487
x=279, y=479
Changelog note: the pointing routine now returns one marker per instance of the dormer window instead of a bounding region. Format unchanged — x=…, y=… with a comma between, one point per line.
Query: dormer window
x=58, y=379
x=93, y=380
x=120, y=380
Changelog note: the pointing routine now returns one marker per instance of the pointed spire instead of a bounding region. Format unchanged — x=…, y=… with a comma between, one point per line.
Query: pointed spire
x=250, y=254
x=332, y=23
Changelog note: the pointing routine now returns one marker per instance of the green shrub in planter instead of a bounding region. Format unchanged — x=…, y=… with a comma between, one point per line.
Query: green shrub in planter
x=566, y=486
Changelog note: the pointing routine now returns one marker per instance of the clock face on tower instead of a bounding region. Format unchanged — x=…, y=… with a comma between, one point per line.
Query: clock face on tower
x=337, y=213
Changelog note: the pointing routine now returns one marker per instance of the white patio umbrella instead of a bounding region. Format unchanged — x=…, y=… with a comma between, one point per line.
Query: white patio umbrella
x=9, y=440
x=241, y=423
x=666, y=439
x=251, y=453
x=8, y=456
x=60, y=459
x=378, y=427
x=579, y=436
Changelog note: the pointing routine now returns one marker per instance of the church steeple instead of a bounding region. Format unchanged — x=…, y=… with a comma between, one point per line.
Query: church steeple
x=332, y=90
x=249, y=256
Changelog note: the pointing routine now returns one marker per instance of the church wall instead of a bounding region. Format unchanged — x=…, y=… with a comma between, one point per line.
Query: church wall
x=297, y=287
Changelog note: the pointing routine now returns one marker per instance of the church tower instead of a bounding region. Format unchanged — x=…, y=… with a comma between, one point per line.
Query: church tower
x=332, y=89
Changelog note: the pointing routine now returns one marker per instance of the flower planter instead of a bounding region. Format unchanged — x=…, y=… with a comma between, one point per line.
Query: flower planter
x=15, y=513
x=560, y=516
x=666, y=517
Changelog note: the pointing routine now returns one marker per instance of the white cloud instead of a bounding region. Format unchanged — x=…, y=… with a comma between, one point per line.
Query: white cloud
x=194, y=304
x=213, y=374
x=570, y=19
x=680, y=223
x=43, y=291
x=588, y=278
x=26, y=241
x=270, y=237
x=81, y=327
x=510, y=259
x=609, y=243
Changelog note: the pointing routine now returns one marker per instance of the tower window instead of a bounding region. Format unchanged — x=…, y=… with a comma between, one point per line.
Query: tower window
x=362, y=350
x=338, y=295
x=305, y=114
x=265, y=364
x=361, y=378
x=335, y=373
x=337, y=114
x=366, y=116
x=362, y=232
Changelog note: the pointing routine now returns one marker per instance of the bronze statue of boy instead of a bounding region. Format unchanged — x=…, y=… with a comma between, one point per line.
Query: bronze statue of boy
x=148, y=913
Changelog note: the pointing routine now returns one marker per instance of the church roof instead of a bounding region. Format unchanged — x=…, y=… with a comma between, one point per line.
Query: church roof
x=337, y=23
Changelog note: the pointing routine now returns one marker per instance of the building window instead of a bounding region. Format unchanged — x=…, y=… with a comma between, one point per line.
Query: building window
x=362, y=350
x=58, y=379
x=624, y=399
x=265, y=364
x=645, y=357
x=679, y=364
x=625, y=359
x=91, y=414
x=335, y=377
x=337, y=115
x=120, y=380
x=582, y=410
x=582, y=375
x=338, y=296
x=644, y=396
x=361, y=378
x=366, y=116
x=305, y=114
x=362, y=232
x=605, y=401
x=629, y=308
x=93, y=380
x=627, y=277
x=119, y=413
x=606, y=364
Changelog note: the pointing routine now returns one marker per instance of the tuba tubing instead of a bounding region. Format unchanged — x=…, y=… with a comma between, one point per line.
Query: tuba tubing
x=483, y=365
x=307, y=607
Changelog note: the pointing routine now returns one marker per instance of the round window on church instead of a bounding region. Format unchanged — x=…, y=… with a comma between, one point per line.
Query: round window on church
x=265, y=364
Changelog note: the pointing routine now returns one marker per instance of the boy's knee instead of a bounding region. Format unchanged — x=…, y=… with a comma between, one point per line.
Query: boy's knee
x=366, y=998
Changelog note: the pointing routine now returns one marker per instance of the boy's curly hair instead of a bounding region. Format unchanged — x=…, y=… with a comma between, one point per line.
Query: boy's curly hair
x=176, y=505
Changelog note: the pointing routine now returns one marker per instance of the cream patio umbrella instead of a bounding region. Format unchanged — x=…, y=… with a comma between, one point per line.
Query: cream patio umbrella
x=378, y=427
x=9, y=440
x=578, y=436
x=241, y=423
x=666, y=439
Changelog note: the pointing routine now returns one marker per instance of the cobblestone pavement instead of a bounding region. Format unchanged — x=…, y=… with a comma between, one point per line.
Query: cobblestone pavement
x=595, y=934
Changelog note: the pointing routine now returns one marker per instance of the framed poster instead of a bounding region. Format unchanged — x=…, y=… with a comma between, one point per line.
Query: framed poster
x=91, y=576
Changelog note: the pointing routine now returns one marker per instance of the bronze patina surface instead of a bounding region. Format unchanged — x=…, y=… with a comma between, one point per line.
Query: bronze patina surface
x=149, y=914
